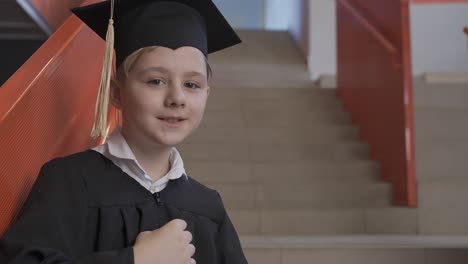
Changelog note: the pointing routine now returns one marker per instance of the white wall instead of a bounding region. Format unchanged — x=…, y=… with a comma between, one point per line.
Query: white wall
x=437, y=38
x=322, y=56
x=312, y=24
x=279, y=13
x=292, y=16
x=243, y=14
x=299, y=25
x=438, y=42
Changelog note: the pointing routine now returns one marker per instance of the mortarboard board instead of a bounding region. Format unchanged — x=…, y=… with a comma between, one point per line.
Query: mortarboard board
x=172, y=24
x=143, y=23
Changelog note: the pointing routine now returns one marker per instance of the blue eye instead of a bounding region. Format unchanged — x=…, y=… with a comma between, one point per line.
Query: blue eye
x=192, y=85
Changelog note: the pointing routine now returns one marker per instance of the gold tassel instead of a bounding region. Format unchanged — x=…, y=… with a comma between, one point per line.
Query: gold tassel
x=100, y=127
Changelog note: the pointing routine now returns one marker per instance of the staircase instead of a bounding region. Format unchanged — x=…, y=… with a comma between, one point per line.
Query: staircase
x=287, y=161
x=442, y=149
x=295, y=178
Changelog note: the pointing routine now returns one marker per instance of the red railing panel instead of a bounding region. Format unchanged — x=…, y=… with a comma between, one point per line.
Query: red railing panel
x=385, y=16
x=47, y=110
x=374, y=82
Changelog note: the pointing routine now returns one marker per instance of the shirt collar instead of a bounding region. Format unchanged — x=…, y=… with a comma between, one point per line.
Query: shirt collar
x=119, y=148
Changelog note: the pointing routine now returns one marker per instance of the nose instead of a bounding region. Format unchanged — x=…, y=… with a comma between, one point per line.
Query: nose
x=175, y=96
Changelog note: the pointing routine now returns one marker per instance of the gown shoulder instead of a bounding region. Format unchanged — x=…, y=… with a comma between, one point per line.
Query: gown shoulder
x=89, y=211
x=107, y=185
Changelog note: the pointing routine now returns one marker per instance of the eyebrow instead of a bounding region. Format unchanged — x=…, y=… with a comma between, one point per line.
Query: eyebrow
x=158, y=69
x=194, y=73
x=166, y=71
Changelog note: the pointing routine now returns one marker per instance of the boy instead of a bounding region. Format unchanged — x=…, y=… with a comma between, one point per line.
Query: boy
x=130, y=200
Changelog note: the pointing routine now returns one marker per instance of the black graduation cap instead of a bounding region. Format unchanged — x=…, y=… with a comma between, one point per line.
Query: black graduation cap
x=172, y=24
x=143, y=23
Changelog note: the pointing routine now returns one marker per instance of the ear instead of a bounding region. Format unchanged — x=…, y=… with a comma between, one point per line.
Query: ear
x=115, y=94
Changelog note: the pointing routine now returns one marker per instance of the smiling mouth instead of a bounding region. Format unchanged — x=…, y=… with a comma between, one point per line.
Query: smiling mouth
x=171, y=120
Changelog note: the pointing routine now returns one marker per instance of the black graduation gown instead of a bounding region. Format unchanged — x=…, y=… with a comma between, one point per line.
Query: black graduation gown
x=85, y=209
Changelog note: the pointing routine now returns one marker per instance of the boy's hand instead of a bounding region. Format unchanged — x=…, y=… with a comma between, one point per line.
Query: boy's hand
x=169, y=244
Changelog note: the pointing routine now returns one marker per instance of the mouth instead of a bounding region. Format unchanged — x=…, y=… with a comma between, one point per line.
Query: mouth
x=172, y=120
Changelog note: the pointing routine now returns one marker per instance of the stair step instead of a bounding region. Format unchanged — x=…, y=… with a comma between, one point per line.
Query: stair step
x=245, y=93
x=223, y=118
x=280, y=49
x=270, y=106
x=295, y=101
x=317, y=171
x=309, y=152
x=383, y=220
x=219, y=151
x=442, y=161
x=297, y=105
x=300, y=196
x=288, y=117
x=297, y=134
x=432, y=114
x=314, y=94
x=211, y=172
x=449, y=242
x=253, y=65
x=256, y=83
x=441, y=135
x=256, y=79
x=280, y=118
x=442, y=207
x=355, y=249
x=441, y=95
x=437, y=123
x=244, y=151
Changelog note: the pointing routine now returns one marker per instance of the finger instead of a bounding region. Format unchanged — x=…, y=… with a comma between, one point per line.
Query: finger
x=181, y=224
x=191, y=250
x=188, y=236
x=192, y=261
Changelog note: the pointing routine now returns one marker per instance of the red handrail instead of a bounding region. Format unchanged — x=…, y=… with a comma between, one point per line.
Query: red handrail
x=374, y=82
x=379, y=36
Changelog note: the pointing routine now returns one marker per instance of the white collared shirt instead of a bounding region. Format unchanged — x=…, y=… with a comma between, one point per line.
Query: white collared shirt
x=118, y=151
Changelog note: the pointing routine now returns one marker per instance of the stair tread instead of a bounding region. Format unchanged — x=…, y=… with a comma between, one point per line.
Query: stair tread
x=356, y=241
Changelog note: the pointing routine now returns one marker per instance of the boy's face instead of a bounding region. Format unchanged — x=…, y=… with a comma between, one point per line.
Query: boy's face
x=164, y=83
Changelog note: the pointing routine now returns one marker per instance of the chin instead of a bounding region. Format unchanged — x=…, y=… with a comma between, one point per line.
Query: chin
x=169, y=140
x=166, y=137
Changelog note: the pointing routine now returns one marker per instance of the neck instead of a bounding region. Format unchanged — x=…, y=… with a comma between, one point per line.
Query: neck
x=153, y=158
